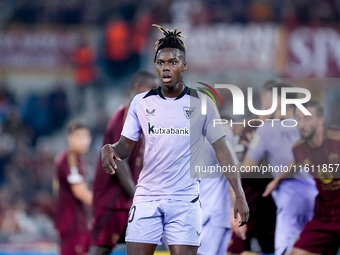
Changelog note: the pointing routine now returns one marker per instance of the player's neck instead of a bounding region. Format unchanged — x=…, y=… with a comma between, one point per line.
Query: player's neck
x=73, y=152
x=317, y=139
x=173, y=91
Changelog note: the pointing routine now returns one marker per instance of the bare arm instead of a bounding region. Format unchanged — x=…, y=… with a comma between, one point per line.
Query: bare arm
x=275, y=182
x=81, y=192
x=118, y=151
x=249, y=162
x=124, y=176
x=272, y=185
x=225, y=159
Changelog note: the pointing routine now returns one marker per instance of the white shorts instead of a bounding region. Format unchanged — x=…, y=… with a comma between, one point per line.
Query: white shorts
x=215, y=240
x=180, y=221
x=287, y=229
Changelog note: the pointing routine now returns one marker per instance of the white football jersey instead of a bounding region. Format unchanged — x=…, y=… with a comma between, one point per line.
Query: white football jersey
x=173, y=132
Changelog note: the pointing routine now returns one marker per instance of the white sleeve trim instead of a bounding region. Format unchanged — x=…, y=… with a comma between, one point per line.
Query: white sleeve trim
x=75, y=177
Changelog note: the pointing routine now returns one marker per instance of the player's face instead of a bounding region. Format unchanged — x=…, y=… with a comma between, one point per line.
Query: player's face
x=266, y=100
x=80, y=140
x=308, y=124
x=170, y=66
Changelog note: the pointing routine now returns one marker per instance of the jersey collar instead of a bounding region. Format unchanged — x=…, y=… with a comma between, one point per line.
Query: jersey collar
x=185, y=91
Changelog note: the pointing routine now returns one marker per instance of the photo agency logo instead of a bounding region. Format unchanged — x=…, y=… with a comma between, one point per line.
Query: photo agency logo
x=238, y=105
x=204, y=99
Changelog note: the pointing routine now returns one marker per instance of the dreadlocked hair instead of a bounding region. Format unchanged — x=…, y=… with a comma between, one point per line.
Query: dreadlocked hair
x=171, y=40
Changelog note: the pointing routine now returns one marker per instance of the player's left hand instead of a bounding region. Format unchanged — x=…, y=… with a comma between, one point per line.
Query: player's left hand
x=241, y=208
x=271, y=187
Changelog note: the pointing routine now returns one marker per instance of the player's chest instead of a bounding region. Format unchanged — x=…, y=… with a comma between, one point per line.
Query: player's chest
x=329, y=153
x=168, y=114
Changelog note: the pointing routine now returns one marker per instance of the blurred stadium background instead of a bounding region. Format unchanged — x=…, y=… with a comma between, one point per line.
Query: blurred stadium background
x=61, y=60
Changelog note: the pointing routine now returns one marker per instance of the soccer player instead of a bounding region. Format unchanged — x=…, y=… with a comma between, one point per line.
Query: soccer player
x=276, y=140
x=73, y=194
x=319, y=152
x=261, y=224
x=216, y=201
x=169, y=117
x=112, y=195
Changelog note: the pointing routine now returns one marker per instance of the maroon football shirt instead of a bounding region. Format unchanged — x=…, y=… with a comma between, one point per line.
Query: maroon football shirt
x=107, y=191
x=327, y=203
x=70, y=211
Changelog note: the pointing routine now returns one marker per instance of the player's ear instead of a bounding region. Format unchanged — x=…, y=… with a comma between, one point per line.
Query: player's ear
x=321, y=120
x=184, y=65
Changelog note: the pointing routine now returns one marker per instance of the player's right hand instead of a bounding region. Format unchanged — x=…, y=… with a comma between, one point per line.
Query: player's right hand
x=241, y=208
x=108, y=156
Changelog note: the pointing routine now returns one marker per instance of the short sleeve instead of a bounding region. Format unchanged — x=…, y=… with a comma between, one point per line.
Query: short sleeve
x=132, y=128
x=257, y=147
x=212, y=133
x=74, y=177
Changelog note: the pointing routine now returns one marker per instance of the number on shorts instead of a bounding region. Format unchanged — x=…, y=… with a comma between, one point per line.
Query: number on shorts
x=132, y=213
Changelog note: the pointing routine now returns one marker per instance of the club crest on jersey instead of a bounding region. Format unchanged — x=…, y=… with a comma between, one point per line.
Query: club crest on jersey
x=188, y=111
x=150, y=113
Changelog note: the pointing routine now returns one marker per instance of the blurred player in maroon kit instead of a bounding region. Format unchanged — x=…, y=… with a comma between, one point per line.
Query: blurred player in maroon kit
x=261, y=224
x=113, y=194
x=73, y=194
x=318, y=148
